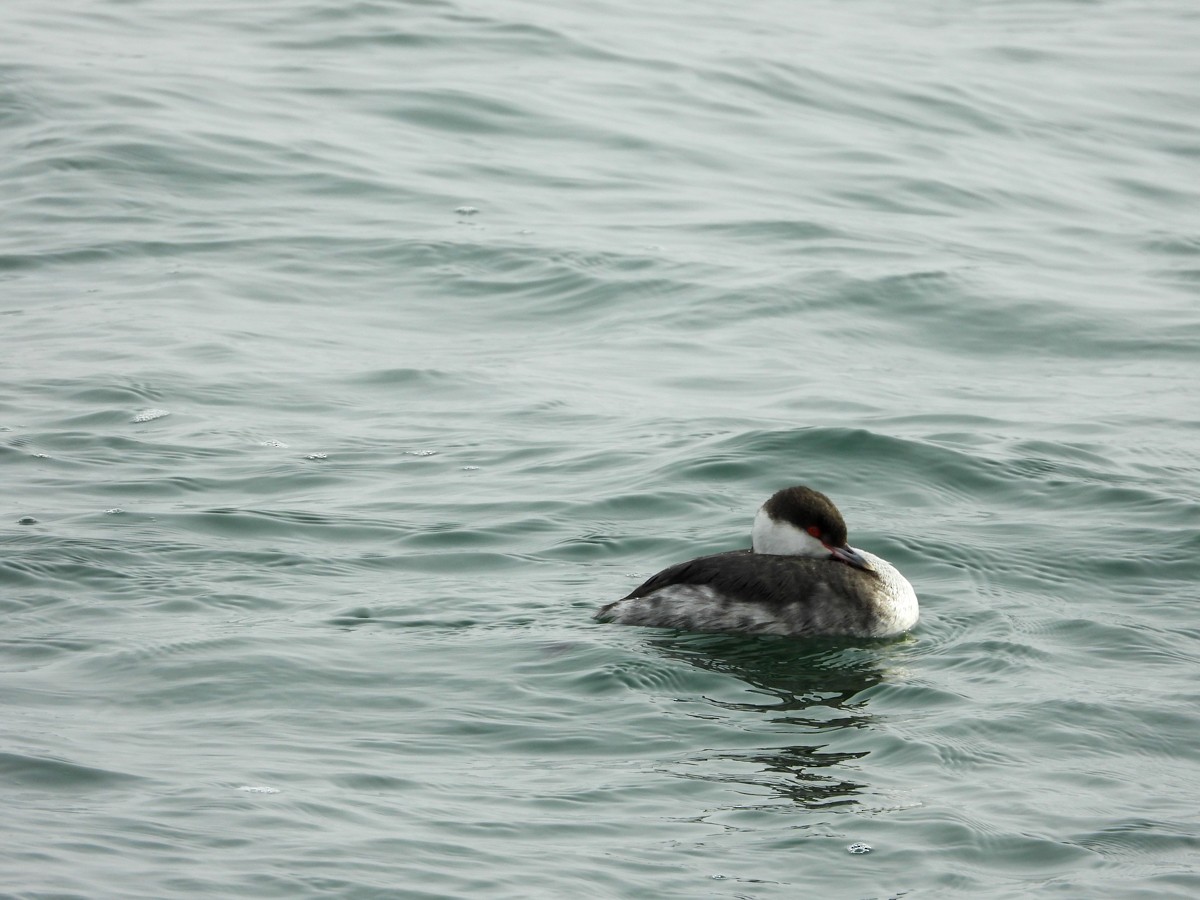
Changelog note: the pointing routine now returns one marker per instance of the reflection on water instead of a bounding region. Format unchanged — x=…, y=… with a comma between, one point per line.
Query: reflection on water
x=811, y=688
x=794, y=773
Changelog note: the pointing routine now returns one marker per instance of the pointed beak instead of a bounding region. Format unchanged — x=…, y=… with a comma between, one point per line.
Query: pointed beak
x=849, y=556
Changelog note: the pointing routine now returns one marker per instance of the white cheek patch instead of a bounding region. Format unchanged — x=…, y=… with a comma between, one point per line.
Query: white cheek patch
x=783, y=538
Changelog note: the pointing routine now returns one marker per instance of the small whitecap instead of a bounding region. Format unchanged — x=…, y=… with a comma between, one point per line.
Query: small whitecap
x=420, y=452
x=41, y=456
x=470, y=468
x=317, y=456
x=272, y=443
x=115, y=511
x=467, y=210
x=859, y=848
x=149, y=415
x=258, y=789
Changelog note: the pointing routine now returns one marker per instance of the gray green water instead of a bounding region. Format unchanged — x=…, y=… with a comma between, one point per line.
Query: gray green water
x=467, y=315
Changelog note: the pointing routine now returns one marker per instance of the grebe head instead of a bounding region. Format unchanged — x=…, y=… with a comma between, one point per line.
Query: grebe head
x=799, y=521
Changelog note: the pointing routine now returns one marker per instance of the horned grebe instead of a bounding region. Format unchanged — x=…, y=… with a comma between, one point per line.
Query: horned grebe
x=800, y=578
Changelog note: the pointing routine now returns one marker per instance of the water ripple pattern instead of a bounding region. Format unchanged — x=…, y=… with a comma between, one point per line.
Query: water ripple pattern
x=354, y=353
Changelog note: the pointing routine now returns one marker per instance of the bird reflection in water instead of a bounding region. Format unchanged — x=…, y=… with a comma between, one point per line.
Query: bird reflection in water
x=808, y=688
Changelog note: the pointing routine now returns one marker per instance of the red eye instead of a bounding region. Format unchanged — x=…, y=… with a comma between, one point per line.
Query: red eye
x=814, y=531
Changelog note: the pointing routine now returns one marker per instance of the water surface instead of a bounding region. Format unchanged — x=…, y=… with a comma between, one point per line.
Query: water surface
x=354, y=354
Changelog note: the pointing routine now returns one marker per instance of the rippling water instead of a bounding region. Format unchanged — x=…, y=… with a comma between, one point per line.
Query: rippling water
x=353, y=354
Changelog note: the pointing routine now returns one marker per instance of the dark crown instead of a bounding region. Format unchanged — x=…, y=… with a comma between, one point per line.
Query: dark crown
x=804, y=507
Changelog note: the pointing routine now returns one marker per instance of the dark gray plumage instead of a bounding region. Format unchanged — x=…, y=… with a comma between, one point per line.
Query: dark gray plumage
x=821, y=585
